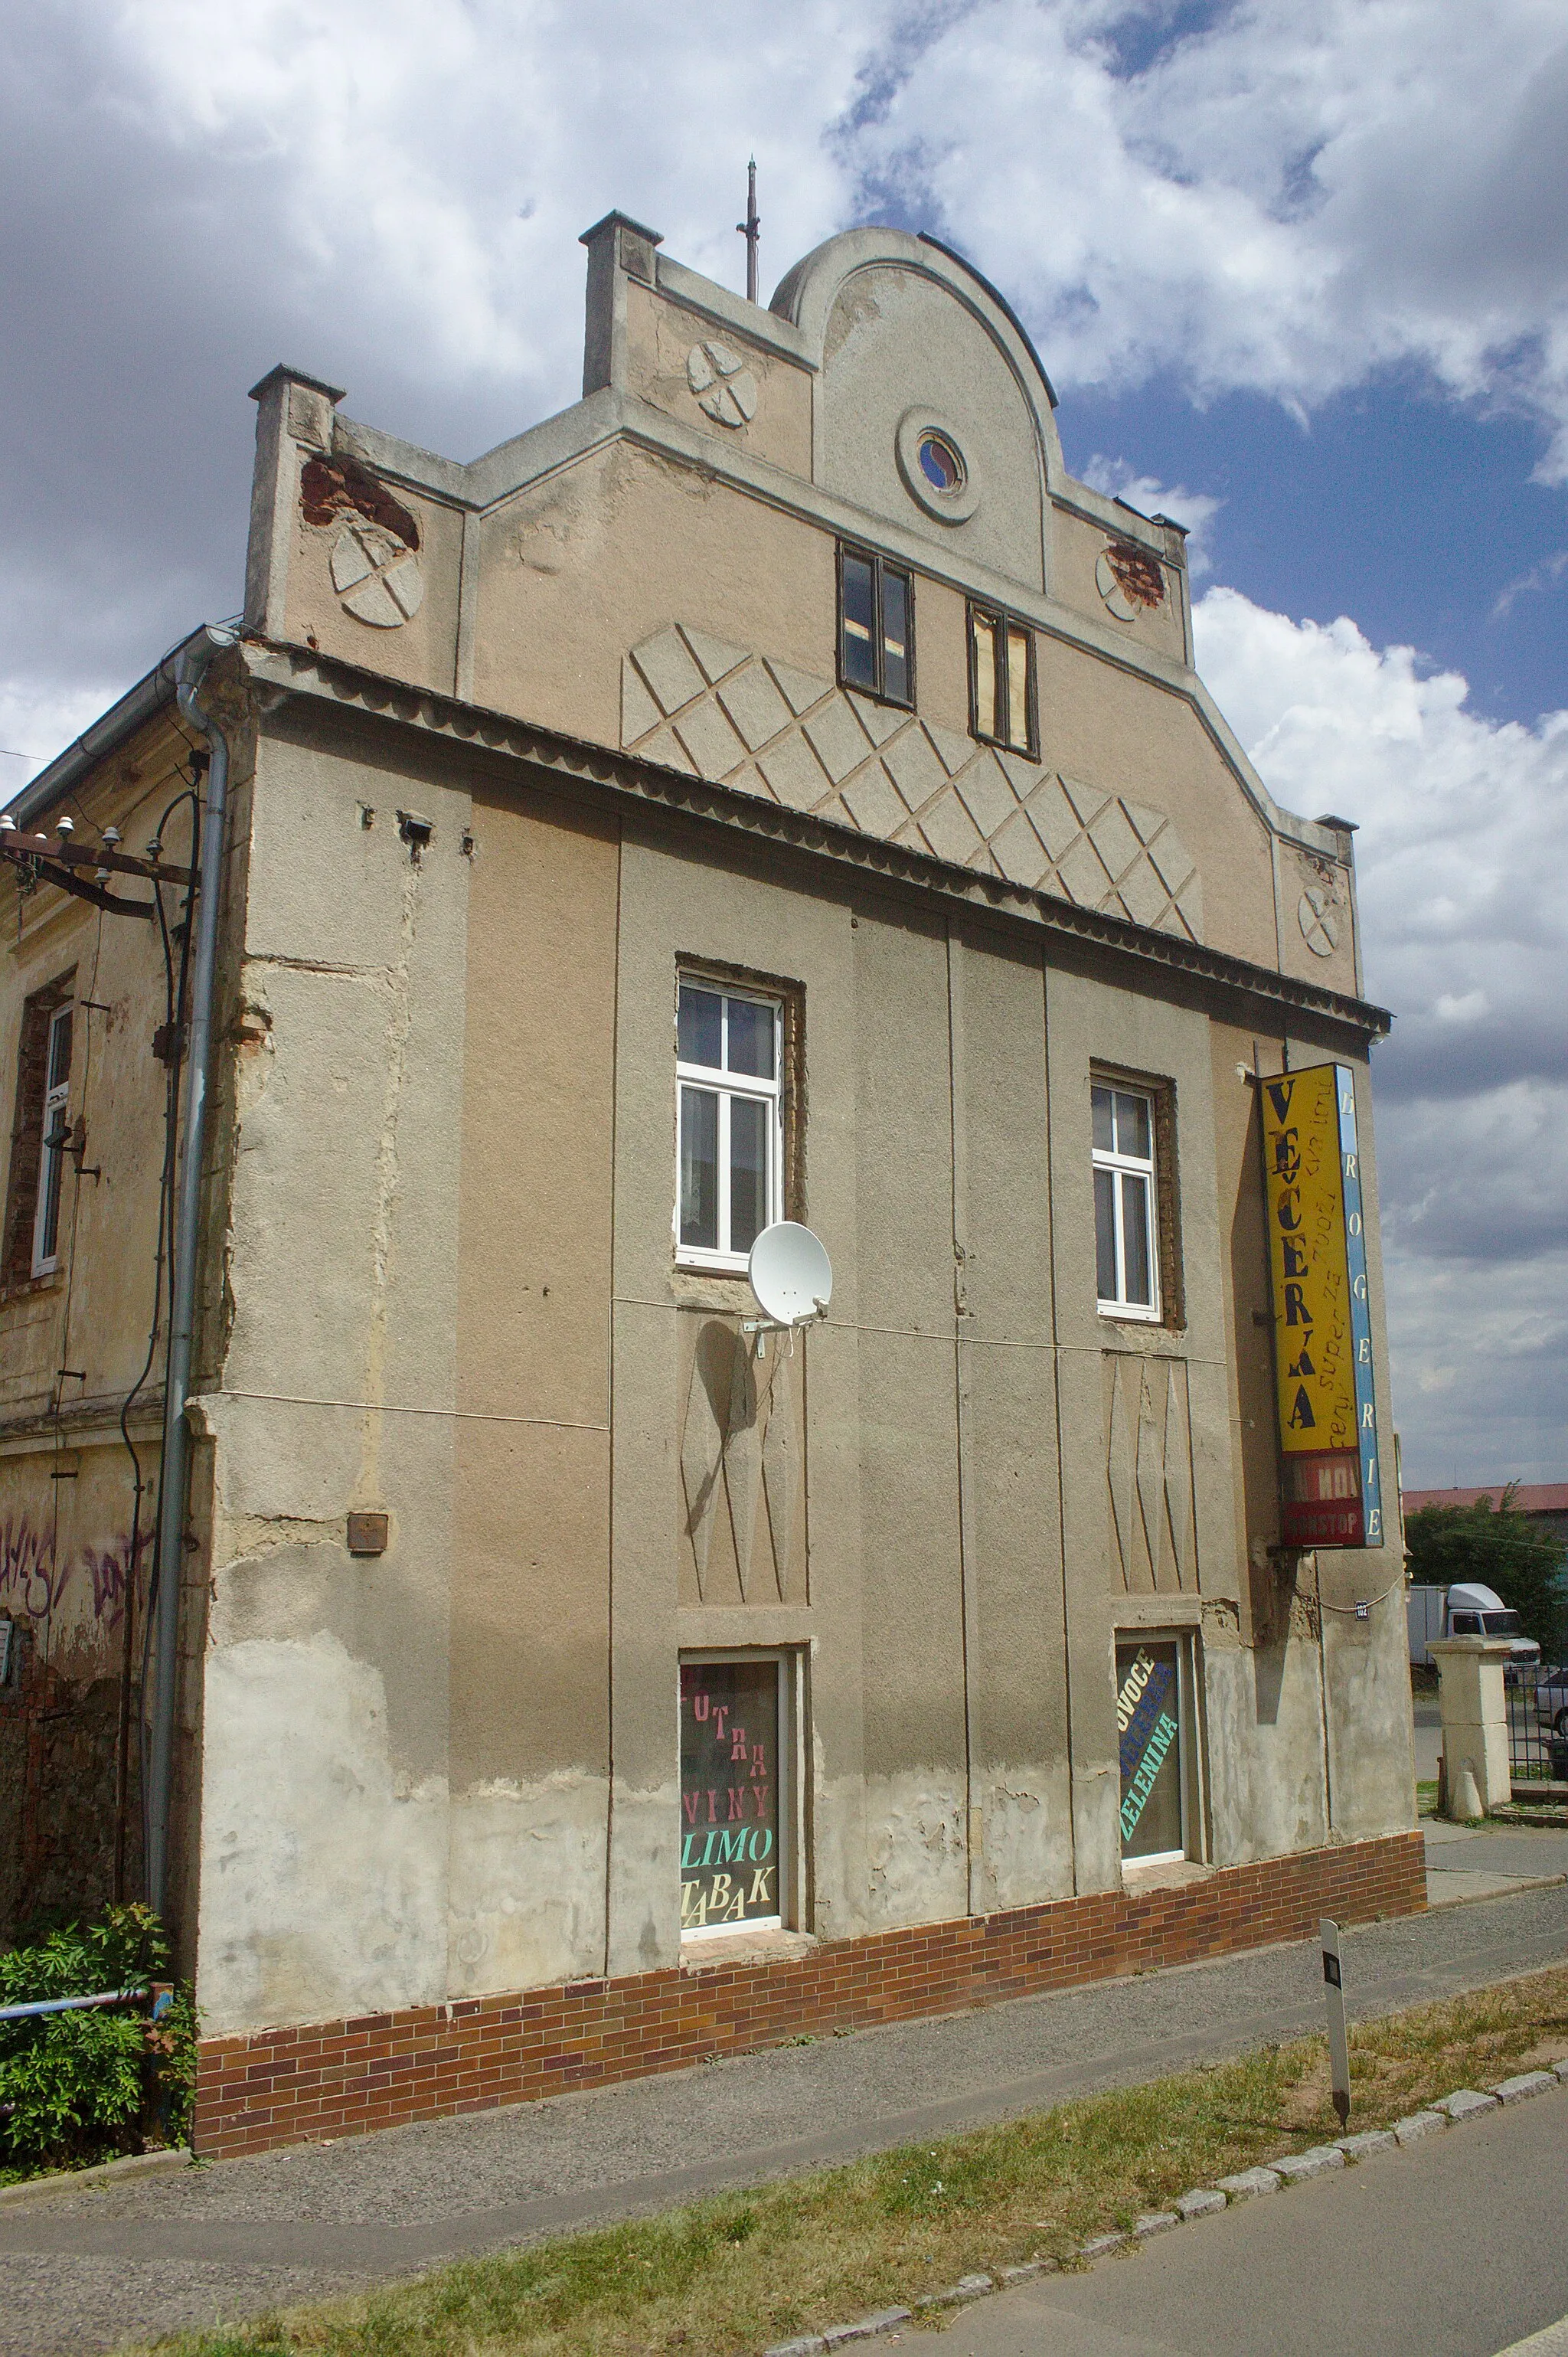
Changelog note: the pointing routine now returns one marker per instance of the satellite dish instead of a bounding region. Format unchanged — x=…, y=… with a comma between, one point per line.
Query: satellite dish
x=790, y=1273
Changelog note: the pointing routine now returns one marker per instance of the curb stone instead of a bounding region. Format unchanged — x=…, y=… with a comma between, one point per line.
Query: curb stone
x=1528, y=2082
x=1299, y=2166
x=1200, y=2203
x=868, y=2326
x=1371, y=2140
x=1097, y=2247
x=1464, y=2104
x=1248, y=2182
x=1468, y=2103
x=72, y=2181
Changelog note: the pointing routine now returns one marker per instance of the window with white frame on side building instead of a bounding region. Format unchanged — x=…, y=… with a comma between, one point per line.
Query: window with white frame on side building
x=51, y=1151
x=1126, y=1205
x=730, y=1133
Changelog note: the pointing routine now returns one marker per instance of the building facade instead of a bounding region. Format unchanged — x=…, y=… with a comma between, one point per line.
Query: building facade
x=771, y=787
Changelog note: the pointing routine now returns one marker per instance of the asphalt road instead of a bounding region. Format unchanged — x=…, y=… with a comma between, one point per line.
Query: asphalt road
x=87, y=2270
x=1452, y=2248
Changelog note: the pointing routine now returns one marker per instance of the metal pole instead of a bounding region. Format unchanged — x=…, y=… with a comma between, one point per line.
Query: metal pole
x=1333, y=2000
x=751, y=230
x=169, y=1554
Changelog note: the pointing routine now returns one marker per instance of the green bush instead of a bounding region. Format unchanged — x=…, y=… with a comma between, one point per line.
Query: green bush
x=80, y=2087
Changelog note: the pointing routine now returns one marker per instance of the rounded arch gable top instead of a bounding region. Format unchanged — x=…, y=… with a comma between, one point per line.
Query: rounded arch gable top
x=807, y=293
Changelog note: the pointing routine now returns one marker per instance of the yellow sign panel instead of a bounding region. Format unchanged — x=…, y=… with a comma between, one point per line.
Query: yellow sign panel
x=1323, y=1347
x=1314, y=1362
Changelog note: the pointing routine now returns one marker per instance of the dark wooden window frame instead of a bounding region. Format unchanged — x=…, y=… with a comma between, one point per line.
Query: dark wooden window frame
x=879, y=566
x=27, y=1135
x=1168, y=1192
x=1002, y=621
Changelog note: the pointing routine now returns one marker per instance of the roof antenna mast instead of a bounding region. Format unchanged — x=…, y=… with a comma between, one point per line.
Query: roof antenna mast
x=751, y=230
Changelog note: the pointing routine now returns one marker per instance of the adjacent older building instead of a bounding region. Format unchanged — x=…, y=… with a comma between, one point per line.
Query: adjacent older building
x=772, y=787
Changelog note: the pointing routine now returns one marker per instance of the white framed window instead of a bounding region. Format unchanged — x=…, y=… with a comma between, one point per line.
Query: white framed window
x=51, y=1147
x=1126, y=1232
x=737, y=1792
x=1160, y=1810
x=730, y=1134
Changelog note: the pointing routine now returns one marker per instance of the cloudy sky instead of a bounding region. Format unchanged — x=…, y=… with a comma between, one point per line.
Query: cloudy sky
x=1300, y=274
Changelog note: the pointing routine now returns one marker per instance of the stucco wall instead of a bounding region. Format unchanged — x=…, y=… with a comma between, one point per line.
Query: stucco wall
x=454, y=1768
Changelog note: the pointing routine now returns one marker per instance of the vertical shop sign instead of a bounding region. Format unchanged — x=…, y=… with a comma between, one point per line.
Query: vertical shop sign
x=729, y=1795
x=1330, y=1489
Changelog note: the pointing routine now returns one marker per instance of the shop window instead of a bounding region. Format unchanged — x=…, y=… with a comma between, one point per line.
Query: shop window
x=876, y=626
x=735, y=1794
x=39, y=1135
x=1156, y=1734
x=1002, y=707
x=729, y=1056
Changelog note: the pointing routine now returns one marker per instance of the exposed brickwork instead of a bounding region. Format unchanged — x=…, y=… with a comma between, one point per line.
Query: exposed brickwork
x=342, y=2078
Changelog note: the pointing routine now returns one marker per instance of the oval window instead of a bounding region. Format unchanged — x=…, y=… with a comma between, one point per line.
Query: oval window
x=939, y=463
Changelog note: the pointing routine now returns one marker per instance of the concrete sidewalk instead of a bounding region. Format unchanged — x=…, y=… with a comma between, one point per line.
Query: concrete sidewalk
x=86, y=2270
x=1465, y=1862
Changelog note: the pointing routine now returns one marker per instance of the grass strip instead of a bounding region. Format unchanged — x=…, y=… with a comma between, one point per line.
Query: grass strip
x=740, y=2270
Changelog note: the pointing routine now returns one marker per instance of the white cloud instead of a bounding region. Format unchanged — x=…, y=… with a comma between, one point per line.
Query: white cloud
x=389, y=192
x=1287, y=199
x=1459, y=855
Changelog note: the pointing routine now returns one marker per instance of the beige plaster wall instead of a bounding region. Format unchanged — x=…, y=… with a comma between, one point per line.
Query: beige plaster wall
x=661, y=337
x=1077, y=544
x=454, y=1767
x=895, y=341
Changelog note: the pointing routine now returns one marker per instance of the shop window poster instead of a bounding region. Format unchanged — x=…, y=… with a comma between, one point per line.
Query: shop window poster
x=729, y=1795
x=1148, y=1724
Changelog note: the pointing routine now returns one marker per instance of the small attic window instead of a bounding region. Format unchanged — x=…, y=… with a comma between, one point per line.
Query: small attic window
x=876, y=622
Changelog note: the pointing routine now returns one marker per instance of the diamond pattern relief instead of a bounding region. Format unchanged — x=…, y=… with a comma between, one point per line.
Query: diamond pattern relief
x=837, y=738
x=1148, y=1471
x=755, y=707
x=912, y=762
x=872, y=802
x=714, y=746
x=697, y=704
x=740, y=1472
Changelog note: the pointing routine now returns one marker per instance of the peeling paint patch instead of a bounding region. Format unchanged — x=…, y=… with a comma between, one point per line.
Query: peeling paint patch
x=332, y=489
x=323, y=1873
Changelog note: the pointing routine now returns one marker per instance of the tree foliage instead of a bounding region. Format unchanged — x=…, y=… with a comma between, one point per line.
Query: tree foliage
x=1500, y=1548
x=80, y=2087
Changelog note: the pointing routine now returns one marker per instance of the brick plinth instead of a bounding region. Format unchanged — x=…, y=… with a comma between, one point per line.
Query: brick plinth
x=342, y=2078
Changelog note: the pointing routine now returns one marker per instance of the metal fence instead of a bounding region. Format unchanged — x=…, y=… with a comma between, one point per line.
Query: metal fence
x=1538, y=1731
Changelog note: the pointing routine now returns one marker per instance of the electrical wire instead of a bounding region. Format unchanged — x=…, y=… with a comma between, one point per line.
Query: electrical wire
x=70, y=1268
x=174, y=1003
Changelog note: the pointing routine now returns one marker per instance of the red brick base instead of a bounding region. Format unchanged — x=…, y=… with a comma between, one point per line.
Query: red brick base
x=341, y=2078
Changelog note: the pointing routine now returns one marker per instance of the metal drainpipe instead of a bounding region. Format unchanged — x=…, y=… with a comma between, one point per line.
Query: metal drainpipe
x=190, y=668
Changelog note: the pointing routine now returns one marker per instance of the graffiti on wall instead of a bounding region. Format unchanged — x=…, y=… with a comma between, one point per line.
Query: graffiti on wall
x=37, y=1581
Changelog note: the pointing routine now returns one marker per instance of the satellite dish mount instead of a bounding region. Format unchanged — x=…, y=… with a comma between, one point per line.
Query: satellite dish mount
x=793, y=1279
